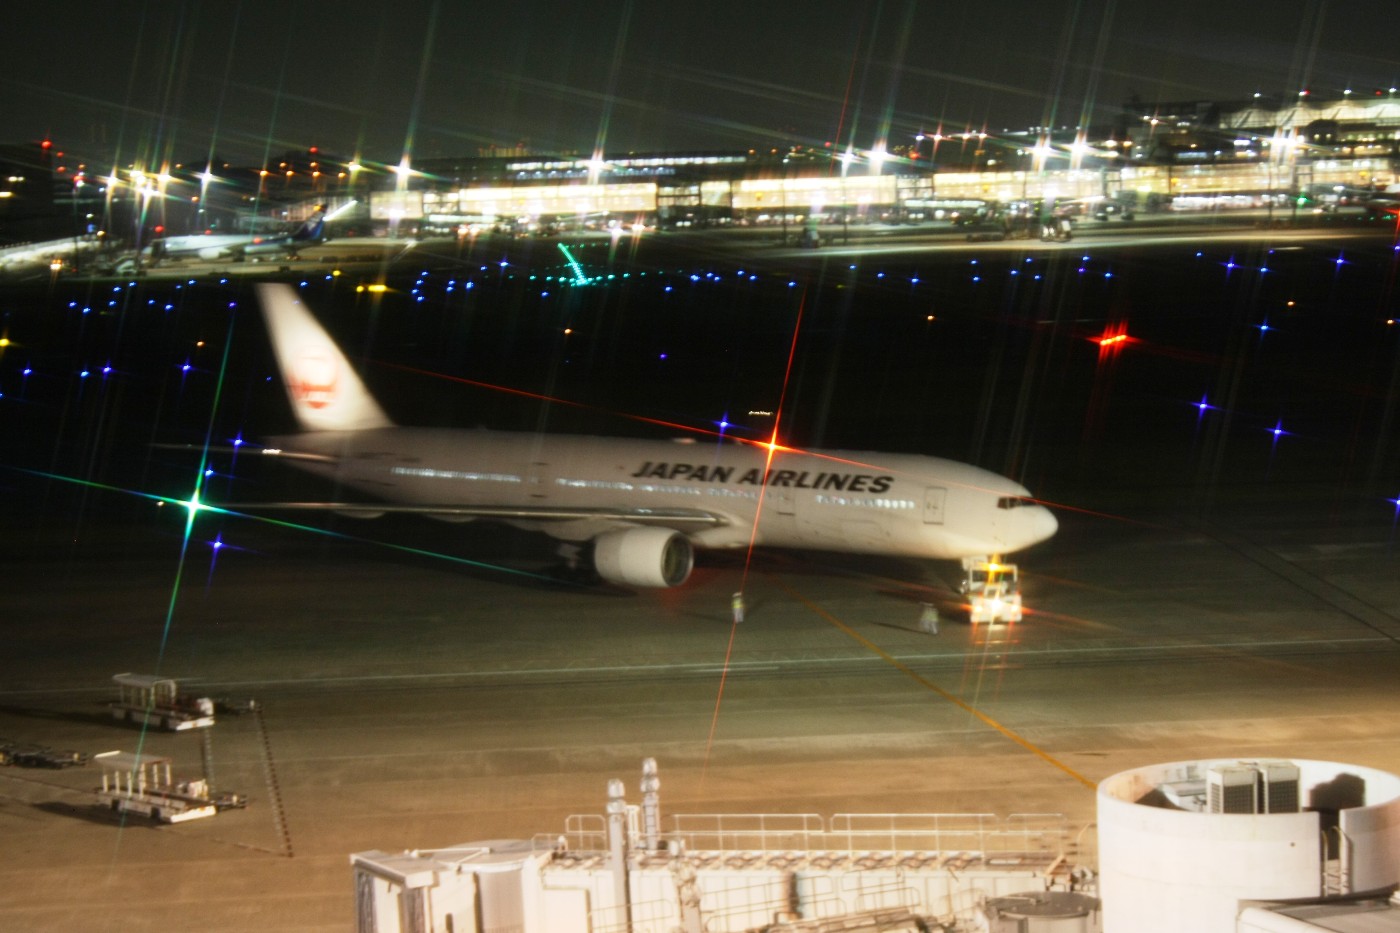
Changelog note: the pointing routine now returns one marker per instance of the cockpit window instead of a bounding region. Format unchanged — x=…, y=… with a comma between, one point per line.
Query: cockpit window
x=1014, y=502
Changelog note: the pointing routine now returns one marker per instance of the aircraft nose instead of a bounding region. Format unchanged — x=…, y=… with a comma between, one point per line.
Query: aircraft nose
x=1034, y=523
x=1043, y=523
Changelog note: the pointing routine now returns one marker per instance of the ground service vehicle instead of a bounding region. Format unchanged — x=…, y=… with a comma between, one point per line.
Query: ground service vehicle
x=1109, y=208
x=143, y=784
x=994, y=592
x=157, y=701
x=27, y=755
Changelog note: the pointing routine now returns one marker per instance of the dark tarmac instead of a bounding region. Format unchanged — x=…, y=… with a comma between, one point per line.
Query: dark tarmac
x=1202, y=599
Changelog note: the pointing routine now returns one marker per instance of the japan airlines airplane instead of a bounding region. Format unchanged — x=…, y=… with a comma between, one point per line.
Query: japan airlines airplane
x=636, y=509
x=237, y=246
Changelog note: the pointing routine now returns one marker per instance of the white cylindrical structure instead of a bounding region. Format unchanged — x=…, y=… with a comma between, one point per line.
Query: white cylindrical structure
x=1168, y=863
x=651, y=805
x=617, y=851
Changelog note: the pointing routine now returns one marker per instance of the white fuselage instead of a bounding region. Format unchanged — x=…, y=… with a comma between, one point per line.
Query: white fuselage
x=222, y=246
x=897, y=504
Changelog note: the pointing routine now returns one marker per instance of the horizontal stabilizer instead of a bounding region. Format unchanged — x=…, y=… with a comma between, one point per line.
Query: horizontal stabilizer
x=248, y=450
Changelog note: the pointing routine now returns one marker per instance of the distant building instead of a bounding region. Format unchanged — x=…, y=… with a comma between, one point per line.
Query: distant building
x=1263, y=128
x=26, y=181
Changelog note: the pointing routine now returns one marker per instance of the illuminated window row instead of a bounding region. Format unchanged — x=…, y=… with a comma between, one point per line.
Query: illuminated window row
x=649, y=162
x=813, y=194
x=720, y=491
x=669, y=488
x=727, y=493
x=593, y=484
x=866, y=503
x=429, y=473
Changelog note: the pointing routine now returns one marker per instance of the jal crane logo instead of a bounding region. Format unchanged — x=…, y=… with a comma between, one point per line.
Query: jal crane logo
x=314, y=378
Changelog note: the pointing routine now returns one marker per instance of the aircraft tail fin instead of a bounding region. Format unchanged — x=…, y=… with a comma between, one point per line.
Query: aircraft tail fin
x=324, y=389
x=313, y=228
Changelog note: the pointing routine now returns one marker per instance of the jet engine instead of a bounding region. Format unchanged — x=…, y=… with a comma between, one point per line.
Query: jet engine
x=643, y=557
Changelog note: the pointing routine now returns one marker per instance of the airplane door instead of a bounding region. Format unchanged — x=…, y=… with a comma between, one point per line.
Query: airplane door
x=783, y=500
x=933, y=505
x=539, y=480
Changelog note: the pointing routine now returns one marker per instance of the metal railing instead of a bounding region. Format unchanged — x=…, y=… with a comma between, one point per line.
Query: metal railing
x=844, y=835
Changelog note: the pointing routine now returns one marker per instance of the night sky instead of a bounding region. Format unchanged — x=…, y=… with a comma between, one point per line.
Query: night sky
x=166, y=80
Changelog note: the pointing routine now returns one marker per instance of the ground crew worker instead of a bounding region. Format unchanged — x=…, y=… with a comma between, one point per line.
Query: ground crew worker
x=928, y=619
x=738, y=603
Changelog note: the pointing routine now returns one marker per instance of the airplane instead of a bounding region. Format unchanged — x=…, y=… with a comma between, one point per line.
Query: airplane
x=634, y=511
x=1384, y=206
x=238, y=246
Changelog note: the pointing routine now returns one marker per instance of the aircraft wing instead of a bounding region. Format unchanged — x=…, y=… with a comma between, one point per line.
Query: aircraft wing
x=638, y=516
x=249, y=450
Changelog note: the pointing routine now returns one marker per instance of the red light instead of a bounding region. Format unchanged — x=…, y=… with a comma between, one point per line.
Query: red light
x=160, y=228
x=46, y=144
x=1113, y=339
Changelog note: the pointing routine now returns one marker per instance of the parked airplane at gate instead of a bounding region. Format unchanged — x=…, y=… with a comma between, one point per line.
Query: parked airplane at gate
x=635, y=509
x=237, y=246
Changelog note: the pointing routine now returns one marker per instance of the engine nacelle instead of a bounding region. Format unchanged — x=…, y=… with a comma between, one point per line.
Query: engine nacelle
x=643, y=557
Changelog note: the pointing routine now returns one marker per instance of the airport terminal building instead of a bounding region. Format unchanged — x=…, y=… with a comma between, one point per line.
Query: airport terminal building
x=1189, y=155
x=1193, y=155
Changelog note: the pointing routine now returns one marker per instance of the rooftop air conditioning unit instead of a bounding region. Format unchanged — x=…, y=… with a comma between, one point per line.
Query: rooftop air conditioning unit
x=1232, y=789
x=1278, y=786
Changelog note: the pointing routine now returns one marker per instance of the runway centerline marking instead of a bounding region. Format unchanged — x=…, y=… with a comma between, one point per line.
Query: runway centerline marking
x=934, y=688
